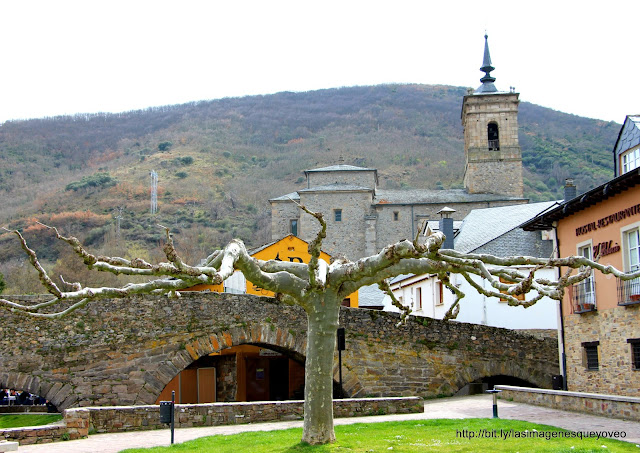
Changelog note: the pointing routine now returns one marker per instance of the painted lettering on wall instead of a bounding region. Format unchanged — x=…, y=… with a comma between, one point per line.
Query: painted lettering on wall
x=605, y=248
x=608, y=220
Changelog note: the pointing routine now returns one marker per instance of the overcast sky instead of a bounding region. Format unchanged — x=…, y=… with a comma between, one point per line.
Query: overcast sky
x=64, y=57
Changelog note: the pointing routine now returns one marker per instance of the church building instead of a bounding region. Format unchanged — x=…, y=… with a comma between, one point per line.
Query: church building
x=363, y=218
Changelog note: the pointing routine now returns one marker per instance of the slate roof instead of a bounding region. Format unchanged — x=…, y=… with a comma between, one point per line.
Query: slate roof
x=335, y=188
x=425, y=196
x=340, y=168
x=628, y=137
x=484, y=225
x=370, y=296
x=287, y=197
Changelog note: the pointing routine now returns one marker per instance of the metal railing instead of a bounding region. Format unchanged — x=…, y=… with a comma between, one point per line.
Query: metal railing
x=629, y=292
x=494, y=145
x=583, y=296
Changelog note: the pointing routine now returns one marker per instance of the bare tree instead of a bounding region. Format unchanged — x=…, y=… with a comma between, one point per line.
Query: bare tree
x=318, y=287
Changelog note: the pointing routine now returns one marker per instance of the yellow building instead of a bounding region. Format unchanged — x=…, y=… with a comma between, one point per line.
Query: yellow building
x=289, y=248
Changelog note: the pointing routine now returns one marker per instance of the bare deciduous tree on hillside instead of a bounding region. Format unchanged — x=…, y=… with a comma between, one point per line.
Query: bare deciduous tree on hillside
x=318, y=287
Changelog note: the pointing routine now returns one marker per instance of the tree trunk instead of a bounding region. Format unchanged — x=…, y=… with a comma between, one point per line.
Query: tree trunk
x=318, y=390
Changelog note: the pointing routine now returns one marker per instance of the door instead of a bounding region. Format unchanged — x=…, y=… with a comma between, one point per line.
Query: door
x=206, y=385
x=257, y=379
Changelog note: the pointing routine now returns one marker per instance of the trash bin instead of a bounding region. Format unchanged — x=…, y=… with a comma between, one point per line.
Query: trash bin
x=557, y=382
x=165, y=411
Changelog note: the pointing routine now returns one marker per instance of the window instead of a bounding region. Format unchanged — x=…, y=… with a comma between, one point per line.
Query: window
x=629, y=290
x=438, y=293
x=635, y=353
x=494, y=137
x=591, y=355
x=584, y=291
x=293, y=226
x=396, y=215
x=337, y=215
x=633, y=248
x=630, y=160
x=418, y=298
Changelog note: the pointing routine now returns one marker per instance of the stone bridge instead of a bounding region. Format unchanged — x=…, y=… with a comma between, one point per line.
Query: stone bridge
x=125, y=351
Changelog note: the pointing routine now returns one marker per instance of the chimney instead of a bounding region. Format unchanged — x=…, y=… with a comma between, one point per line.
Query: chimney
x=569, y=189
x=446, y=226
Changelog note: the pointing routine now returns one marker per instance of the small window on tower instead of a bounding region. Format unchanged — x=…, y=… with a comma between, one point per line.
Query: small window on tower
x=494, y=137
x=396, y=215
x=293, y=227
x=337, y=215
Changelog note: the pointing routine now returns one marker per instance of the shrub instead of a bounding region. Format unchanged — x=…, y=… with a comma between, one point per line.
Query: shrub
x=101, y=180
x=164, y=146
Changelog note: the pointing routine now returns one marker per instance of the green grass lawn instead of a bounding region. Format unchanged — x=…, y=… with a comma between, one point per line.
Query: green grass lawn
x=410, y=436
x=19, y=420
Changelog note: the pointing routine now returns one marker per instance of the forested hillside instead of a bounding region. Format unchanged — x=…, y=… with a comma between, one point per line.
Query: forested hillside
x=220, y=161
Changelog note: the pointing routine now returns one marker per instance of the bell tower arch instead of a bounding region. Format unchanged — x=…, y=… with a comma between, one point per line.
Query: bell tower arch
x=493, y=159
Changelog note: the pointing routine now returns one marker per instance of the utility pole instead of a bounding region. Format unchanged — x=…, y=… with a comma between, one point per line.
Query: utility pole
x=154, y=192
x=118, y=219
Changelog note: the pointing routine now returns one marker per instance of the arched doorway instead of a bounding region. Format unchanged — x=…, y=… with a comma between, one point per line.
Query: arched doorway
x=247, y=372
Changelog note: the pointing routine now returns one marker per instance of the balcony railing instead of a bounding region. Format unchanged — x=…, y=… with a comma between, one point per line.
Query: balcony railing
x=494, y=145
x=629, y=292
x=583, y=296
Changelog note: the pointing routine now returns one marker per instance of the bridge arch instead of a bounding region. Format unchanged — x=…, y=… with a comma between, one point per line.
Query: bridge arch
x=487, y=371
x=290, y=344
x=59, y=394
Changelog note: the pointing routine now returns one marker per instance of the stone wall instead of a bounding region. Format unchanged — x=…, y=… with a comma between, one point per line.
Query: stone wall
x=134, y=418
x=611, y=328
x=495, y=176
x=346, y=237
x=37, y=434
x=282, y=212
x=626, y=408
x=226, y=381
x=124, y=352
x=362, y=178
x=430, y=357
x=80, y=422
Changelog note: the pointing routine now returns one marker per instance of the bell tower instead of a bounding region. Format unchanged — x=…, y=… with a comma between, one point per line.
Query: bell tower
x=493, y=159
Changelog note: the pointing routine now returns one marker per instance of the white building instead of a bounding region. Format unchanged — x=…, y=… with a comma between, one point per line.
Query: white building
x=495, y=231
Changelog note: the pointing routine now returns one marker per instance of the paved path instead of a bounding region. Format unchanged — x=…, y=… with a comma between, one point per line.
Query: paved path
x=477, y=406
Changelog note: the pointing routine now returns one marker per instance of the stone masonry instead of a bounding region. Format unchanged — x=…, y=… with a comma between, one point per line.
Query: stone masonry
x=611, y=328
x=79, y=422
x=492, y=170
x=124, y=352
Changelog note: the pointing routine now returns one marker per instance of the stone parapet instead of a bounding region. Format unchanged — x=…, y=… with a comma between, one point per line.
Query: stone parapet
x=36, y=434
x=615, y=406
x=136, y=418
x=77, y=423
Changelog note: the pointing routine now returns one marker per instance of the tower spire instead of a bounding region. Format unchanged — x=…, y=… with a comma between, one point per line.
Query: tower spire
x=487, y=81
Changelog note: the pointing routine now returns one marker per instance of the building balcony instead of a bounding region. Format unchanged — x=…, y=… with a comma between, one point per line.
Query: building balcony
x=629, y=292
x=494, y=145
x=583, y=296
